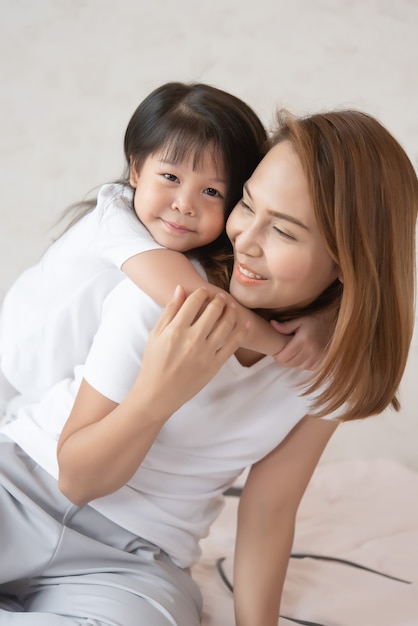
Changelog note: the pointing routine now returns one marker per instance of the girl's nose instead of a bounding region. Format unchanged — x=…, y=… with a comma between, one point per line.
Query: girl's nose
x=183, y=204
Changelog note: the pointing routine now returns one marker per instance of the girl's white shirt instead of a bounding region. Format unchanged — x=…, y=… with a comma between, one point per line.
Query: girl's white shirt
x=51, y=312
x=175, y=495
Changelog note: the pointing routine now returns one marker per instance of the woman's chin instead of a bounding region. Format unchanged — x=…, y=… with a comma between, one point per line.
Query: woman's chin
x=248, y=296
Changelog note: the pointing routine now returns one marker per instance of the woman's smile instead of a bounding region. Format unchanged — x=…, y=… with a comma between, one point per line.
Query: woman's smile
x=277, y=244
x=247, y=276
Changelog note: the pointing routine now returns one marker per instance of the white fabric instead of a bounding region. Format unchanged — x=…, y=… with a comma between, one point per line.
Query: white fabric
x=363, y=511
x=51, y=312
x=240, y=416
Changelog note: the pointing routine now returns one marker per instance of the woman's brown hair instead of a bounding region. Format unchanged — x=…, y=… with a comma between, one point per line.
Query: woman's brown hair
x=365, y=195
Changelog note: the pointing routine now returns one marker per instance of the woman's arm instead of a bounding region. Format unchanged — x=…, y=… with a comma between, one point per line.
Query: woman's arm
x=157, y=272
x=266, y=519
x=104, y=443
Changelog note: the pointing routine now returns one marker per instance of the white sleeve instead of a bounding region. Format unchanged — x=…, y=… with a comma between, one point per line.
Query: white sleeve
x=52, y=311
x=115, y=356
x=120, y=234
x=310, y=397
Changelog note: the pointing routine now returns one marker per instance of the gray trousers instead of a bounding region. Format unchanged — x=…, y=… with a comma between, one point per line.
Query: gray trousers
x=62, y=565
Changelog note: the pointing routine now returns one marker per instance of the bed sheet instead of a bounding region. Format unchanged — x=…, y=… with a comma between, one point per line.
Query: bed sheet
x=363, y=512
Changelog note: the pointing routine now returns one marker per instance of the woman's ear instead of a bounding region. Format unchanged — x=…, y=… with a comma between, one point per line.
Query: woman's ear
x=133, y=171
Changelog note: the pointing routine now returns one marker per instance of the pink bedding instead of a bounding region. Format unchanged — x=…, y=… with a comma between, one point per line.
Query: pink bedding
x=364, y=512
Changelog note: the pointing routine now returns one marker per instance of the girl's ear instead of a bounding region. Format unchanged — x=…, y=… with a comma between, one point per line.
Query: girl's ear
x=133, y=171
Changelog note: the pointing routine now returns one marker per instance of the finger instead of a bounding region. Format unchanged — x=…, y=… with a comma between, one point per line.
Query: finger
x=223, y=326
x=285, y=328
x=171, y=309
x=193, y=307
x=231, y=343
x=290, y=356
x=210, y=316
x=292, y=350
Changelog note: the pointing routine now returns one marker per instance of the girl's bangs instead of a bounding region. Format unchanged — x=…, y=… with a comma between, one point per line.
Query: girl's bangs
x=183, y=144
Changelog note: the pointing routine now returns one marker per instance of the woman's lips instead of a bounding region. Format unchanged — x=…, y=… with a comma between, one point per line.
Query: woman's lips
x=246, y=276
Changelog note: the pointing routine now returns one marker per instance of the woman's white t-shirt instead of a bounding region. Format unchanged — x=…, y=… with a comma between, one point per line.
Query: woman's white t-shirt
x=238, y=418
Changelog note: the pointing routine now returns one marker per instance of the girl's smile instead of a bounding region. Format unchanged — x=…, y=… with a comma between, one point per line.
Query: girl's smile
x=173, y=227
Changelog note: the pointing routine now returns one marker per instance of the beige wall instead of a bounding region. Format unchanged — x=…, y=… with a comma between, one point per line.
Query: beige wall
x=73, y=71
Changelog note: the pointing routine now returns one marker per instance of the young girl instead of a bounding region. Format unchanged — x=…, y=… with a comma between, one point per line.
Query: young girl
x=167, y=416
x=188, y=149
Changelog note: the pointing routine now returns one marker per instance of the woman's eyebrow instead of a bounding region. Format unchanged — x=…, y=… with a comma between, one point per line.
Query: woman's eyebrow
x=283, y=216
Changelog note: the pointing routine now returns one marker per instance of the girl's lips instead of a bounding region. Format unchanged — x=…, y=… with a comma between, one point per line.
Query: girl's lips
x=246, y=276
x=176, y=228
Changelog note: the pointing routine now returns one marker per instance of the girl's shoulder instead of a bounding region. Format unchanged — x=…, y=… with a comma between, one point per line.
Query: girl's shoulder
x=114, y=199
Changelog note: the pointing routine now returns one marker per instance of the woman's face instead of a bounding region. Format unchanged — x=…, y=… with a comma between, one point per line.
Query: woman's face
x=280, y=260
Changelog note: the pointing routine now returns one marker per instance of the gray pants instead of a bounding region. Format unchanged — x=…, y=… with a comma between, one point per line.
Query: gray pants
x=62, y=565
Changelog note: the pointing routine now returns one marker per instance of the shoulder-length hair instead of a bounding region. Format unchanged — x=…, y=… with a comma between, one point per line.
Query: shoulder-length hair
x=364, y=191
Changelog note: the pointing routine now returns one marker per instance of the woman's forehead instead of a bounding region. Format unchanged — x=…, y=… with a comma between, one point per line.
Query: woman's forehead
x=280, y=170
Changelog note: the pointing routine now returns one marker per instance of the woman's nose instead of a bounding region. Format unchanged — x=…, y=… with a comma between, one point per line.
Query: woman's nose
x=247, y=242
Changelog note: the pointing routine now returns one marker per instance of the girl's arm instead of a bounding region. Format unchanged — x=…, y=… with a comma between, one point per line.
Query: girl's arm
x=157, y=272
x=266, y=519
x=103, y=443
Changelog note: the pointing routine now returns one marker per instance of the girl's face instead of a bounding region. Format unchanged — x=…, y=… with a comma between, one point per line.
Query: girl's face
x=280, y=260
x=181, y=205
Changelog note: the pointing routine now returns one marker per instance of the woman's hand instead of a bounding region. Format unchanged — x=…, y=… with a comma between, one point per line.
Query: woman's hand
x=103, y=443
x=191, y=341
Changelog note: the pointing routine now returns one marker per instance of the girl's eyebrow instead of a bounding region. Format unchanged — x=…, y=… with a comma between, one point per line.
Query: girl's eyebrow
x=283, y=216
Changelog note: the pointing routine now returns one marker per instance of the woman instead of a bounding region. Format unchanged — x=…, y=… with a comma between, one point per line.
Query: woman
x=328, y=217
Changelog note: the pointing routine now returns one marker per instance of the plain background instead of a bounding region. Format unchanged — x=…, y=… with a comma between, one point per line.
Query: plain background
x=73, y=71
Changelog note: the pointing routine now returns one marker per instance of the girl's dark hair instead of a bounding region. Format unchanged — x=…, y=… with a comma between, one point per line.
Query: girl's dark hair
x=185, y=120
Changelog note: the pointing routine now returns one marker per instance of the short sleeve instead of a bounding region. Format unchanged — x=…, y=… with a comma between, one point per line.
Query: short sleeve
x=115, y=356
x=120, y=234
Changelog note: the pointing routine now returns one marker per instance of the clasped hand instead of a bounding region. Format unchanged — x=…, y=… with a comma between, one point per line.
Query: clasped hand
x=191, y=341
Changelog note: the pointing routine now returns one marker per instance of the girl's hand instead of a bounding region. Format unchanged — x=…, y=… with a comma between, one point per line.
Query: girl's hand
x=192, y=340
x=311, y=335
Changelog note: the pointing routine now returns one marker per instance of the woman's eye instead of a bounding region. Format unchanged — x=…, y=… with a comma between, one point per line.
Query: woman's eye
x=283, y=234
x=171, y=177
x=210, y=191
x=245, y=206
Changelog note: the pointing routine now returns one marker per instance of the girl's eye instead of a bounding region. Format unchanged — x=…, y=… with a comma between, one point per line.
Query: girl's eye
x=171, y=177
x=210, y=191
